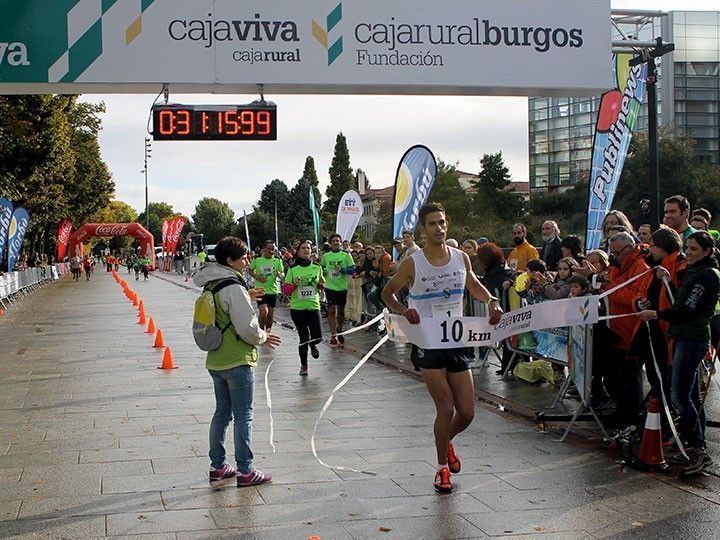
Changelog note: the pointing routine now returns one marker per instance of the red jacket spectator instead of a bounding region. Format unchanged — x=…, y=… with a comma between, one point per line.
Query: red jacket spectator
x=623, y=300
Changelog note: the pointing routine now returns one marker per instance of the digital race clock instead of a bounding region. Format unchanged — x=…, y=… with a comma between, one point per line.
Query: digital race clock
x=254, y=122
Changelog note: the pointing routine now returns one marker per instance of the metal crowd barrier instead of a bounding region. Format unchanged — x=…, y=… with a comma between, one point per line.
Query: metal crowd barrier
x=17, y=284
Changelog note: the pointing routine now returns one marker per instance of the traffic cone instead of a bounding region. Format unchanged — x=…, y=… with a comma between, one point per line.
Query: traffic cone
x=159, y=340
x=650, y=458
x=142, y=319
x=141, y=307
x=167, y=362
x=2, y=311
x=151, y=327
x=134, y=299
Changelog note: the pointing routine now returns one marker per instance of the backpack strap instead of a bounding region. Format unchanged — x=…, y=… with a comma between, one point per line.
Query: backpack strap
x=219, y=286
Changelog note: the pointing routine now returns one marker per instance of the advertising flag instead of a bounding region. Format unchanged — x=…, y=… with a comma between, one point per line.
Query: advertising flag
x=64, y=232
x=277, y=236
x=349, y=213
x=619, y=109
x=315, y=216
x=176, y=225
x=165, y=227
x=413, y=181
x=247, y=232
x=16, y=234
x=6, y=212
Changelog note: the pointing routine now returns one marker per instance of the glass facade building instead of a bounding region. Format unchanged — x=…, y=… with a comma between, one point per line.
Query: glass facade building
x=561, y=129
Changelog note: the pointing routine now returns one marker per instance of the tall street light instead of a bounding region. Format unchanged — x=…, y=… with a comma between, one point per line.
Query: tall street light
x=148, y=151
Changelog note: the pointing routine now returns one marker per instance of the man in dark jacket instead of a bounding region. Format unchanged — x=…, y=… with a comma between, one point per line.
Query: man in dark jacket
x=551, y=252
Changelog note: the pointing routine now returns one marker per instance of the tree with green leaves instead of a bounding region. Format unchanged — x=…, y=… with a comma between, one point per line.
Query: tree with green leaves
x=214, y=219
x=492, y=196
x=157, y=211
x=341, y=177
x=50, y=162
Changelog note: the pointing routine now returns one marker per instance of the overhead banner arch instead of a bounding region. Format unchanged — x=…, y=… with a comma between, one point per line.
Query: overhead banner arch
x=461, y=47
x=137, y=231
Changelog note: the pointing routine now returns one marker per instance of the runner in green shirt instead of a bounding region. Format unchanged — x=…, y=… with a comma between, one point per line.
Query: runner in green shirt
x=337, y=264
x=267, y=269
x=202, y=256
x=303, y=282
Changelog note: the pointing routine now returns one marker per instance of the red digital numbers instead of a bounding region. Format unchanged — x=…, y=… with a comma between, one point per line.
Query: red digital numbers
x=214, y=123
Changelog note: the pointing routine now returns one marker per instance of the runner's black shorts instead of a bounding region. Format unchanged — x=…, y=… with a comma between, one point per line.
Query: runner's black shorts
x=269, y=299
x=453, y=360
x=336, y=298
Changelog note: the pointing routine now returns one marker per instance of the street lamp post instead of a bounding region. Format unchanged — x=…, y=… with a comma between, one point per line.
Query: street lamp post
x=148, y=151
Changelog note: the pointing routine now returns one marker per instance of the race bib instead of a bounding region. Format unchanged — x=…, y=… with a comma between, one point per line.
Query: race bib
x=446, y=309
x=513, y=264
x=335, y=273
x=306, y=292
x=267, y=270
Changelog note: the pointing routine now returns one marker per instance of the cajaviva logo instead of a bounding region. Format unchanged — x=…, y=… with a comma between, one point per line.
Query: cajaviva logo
x=321, y=34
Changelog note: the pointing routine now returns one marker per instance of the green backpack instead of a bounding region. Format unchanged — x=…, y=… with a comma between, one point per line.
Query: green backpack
x=206, y=331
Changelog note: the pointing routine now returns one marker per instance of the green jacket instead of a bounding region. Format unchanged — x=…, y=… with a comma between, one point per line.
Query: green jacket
x=232, y=304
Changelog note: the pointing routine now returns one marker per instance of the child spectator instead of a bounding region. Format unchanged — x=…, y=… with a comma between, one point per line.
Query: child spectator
x=560, y=288
x=579, y=286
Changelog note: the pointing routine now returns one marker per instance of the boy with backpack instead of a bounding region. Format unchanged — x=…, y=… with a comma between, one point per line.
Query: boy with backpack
x=230, y=332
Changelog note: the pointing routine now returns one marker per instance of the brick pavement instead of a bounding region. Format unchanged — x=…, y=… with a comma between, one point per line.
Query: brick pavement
x=96, y=442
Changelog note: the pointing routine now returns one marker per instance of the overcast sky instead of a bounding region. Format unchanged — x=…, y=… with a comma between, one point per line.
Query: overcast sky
x=378, y=129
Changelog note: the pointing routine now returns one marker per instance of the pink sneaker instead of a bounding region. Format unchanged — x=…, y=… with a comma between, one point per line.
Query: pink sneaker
x=253, y=478
x=223, y=476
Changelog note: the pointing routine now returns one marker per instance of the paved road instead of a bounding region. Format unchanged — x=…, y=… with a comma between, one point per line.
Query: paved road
x=97, y=442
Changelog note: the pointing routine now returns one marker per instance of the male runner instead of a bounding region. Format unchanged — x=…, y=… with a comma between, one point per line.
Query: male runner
x=437, y=276
x=337, y=265
x=267, y=269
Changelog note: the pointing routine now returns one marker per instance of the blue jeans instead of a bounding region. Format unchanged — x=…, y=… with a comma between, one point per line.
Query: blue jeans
x=685, y=389
x=234, y=392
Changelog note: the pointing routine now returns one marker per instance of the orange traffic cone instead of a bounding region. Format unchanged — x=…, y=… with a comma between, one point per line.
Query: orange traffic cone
x=141, y=307
x=167, y=362
x=650, y=458
x=2, y=311
x=159, y=340
x=142, y=319
x=151, y=327
x=134, y=299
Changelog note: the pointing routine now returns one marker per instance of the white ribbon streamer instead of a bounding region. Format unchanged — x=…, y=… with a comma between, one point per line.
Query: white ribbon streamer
x=353, y=329
x=624, y=283
x=329, y=401
x=268, y=397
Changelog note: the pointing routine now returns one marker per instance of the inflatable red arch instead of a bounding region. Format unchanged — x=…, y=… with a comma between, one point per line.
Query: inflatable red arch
x=137, y=231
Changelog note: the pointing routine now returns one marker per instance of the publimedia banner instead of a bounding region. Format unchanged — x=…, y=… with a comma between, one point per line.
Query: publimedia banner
x=619, y=110
x=64, y=232
x=413, y=182
x=543, y=47
x=165, y=227
x=6, y=212
x=349, y=213
x=315, y=216
x=455, y=332
x=16, y=234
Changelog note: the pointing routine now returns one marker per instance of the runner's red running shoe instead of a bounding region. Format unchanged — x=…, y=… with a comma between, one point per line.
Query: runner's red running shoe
x=442, y=481
x=452, y=460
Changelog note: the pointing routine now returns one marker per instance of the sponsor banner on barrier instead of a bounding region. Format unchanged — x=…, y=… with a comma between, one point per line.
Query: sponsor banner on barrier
x=349, y=213
x=16, y=235
x=455, y=332
x=6, y=212
x=619, y=110
x=413, y=182
x=64, y=232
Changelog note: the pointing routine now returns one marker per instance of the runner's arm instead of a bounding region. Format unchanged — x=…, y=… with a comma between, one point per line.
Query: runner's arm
x=402, y=277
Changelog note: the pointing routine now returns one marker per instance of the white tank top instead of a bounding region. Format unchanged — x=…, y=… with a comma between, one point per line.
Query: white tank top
x=437, y=291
